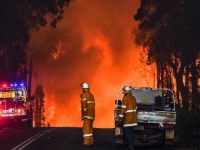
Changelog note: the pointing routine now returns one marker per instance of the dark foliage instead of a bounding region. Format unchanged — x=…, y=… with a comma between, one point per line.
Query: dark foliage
x=188, y=120
x=17, y=18
x=169, y=31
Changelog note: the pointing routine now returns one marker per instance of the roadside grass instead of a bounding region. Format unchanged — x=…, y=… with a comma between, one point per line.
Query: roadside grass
x=186, y=144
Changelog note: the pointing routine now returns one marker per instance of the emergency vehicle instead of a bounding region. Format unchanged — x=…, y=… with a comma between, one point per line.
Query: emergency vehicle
x=16, y=109
x=156, y=116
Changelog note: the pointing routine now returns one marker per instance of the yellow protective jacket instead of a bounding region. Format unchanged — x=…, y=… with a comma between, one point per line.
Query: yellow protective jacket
x=128, y=112
x=87, y=105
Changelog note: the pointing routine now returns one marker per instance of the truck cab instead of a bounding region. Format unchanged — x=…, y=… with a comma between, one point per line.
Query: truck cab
x=15, y=108
x=156, y=116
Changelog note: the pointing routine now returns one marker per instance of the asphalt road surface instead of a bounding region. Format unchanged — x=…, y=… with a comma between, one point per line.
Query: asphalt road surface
x=66, y=138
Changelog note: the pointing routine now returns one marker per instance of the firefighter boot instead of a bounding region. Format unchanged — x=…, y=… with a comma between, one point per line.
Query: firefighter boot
x=86, y=141
x=130, y=146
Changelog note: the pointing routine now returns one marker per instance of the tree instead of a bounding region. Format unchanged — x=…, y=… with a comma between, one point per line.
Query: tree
x=169, y=31
x=39, y=109
x=17, y=18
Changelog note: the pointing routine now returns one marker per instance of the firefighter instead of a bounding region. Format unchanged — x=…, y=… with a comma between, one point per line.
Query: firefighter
x=128, y=115
x=88, y=114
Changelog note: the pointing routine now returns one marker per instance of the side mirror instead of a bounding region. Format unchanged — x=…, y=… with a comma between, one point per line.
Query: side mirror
x=118, y=102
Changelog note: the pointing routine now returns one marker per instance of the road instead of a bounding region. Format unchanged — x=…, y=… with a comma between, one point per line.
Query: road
x=66, y=138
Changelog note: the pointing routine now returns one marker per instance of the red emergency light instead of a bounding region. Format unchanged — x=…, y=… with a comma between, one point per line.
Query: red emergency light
x=12, y=85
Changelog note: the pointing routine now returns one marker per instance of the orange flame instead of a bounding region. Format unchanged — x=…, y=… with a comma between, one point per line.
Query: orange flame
x=56, y=53
x=101, y=53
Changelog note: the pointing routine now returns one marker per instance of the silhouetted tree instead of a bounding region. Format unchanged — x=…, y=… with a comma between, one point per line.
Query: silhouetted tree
x=169, y=31
x=17, y=18
x=39, y=108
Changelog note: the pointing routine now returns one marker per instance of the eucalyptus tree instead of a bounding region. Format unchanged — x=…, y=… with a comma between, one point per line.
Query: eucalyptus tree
x=39, y=112
x=169, y=31
x=17, y=18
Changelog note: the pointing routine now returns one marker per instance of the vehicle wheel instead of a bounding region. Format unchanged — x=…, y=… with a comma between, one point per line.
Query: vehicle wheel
x=161, y=142
x=118, y=145
x=168, y=144
x=119, y=141
x=22, y=125
x=168, y=147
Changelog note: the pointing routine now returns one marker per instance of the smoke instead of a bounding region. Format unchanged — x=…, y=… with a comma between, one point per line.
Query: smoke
x=93, y=44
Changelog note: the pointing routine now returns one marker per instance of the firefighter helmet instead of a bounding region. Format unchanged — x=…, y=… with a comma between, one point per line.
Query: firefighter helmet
x=127, y=89
x=85, y=85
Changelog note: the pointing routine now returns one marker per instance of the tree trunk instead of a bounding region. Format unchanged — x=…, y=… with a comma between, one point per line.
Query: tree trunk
x=30, y=76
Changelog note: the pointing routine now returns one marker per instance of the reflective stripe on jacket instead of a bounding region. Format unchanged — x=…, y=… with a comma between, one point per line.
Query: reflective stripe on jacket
x=87, y=105
x=128, y=112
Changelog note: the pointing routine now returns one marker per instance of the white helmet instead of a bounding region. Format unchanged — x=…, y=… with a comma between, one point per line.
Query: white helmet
x=85, y=85
x=127, y=89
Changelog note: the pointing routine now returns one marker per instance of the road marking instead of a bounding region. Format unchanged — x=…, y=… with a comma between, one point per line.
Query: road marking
x=30, y=140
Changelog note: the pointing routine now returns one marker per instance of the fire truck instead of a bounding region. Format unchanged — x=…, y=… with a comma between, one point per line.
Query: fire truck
x=16, y=110
x=156, y=116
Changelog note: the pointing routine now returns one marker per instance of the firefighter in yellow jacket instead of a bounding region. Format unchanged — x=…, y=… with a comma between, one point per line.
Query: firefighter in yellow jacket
x=88, y=114
x=128, y=115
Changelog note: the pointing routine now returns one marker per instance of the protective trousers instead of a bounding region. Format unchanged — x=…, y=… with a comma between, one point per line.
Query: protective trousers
x=88, y=132
x=128, y=132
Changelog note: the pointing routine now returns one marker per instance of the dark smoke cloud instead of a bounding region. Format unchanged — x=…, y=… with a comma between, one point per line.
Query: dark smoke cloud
x=96, y=48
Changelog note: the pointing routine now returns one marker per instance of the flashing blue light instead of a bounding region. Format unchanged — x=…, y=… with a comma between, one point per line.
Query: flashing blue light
x=21, y=84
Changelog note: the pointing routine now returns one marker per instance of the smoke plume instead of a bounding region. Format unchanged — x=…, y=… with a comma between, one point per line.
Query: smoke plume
x=92, y=44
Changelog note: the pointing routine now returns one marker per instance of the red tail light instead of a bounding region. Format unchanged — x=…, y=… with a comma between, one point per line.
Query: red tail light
x=160, y=125
x=166, y=126
x=169, y=126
